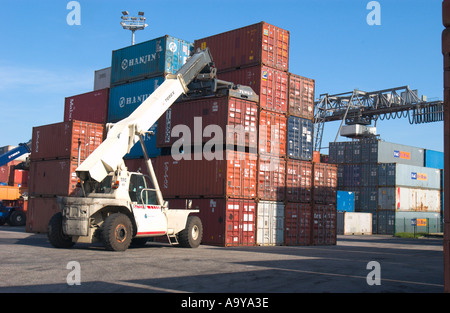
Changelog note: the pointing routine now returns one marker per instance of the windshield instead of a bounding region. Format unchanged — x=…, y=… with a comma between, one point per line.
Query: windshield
x=141, y=190
x=105, y=185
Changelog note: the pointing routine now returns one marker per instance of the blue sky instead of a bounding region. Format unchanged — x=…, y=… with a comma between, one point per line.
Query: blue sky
x=43, y=59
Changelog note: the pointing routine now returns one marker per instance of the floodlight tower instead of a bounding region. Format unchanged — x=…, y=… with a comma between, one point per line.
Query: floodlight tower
x=133, y=23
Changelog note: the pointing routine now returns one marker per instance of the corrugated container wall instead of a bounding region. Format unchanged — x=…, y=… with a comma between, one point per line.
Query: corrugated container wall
x=345, y=201
x=234, y=176
x=324, y=218
x=226, y=222
x=62, y=140
x=270, y=223
x=272, y=133
x=354, y=223
x=298, y=181
x=251, y=45
x=392, y=174
x=102, y=78
x=88, y=107
x=157, y=57
x=403, y=222
x=324, y=183
x=269, y=83
x=409, y=199
x=297, y=224
x=301, y=96
x=299, y=138
x=39, y=213
x=197, y=115
x=434, y=159
x=271, y=178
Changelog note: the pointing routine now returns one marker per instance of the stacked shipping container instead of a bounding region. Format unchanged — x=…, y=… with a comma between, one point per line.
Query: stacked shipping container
x=56, y=151
x=391, y=181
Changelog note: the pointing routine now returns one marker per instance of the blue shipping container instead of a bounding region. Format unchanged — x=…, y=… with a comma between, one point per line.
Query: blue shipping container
x=434, y=159
x=157, y=57
x=299, y=138
x=345, y=201
x=123, y=100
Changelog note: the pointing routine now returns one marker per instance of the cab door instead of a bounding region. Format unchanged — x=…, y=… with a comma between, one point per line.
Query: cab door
x=149, y=216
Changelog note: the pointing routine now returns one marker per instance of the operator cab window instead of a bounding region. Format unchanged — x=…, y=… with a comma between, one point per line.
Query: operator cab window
x=141, y=190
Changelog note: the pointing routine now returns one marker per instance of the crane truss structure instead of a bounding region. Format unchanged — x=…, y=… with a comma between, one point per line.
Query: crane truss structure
x=361, y=108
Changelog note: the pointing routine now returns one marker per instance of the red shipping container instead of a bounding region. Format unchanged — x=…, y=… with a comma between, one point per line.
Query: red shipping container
x=269, y=83
x=39, y=213
x=324, y=183
x=18, y=177
x=5, y=171
x=271, y=178
x=298, y=181
x=53, y=177
x=256, y=44
x=272, y=133
x=61, y=140
x=234, y=176
x=221, y=111
x=324, y=224
x=226, y=222
x=301, y=96
x=297, y=224
x=88, y=107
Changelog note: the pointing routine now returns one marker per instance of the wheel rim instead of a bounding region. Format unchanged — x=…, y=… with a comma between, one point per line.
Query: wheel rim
x=121, y=233
x=195, y=232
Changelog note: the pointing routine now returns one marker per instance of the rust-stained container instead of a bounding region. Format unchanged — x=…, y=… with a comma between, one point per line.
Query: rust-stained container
x=297, y=224
x=269, y=83
x=271, y=178
x=301, y=96
x=237, y=119
x=88, y=107
x=325, y=183
x=53, y=177
x=139, y=165
x=298, y=181
x=324, y=222
x=226, y=222
x=272, y=133
x=18, y=177
x=5, y=171
x=255, y=44
x=61, y=140
x=234, y=176
x=39, y=213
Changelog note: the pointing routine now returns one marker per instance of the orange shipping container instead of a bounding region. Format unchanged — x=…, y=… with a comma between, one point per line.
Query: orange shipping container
x=301, y=96
x=53, y=177
x=62, y=140
x=271, y=178
x=297, y=224
x=255, y=44
x=324, y=224
x=226, y=222
x=269, y=83
x=298, y=181
x=39, y=213
x=324, y=183
x=272, y=133
x=234, y=176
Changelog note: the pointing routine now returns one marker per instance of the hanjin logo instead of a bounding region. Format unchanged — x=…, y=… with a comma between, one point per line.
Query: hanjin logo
x=124, y=64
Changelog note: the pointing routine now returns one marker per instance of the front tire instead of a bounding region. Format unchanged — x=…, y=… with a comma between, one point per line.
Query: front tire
x=191, y=236
x=17, y=218
x=55, y=233
x=117, y=232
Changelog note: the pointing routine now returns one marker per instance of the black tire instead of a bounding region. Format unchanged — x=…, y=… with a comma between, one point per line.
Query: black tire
x=191, y=236
x=117, y=232
x=17, y=218
x=55, y=233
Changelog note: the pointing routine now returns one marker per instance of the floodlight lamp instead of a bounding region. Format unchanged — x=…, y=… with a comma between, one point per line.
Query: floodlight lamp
x=141, y=13
x=125, y=12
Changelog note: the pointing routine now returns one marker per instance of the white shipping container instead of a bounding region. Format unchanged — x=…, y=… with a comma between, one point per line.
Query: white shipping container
x=270, y=223
x=409, y=199
x=354, y=223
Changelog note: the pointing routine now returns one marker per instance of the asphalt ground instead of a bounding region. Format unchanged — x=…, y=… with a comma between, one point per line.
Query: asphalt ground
x=356, y=264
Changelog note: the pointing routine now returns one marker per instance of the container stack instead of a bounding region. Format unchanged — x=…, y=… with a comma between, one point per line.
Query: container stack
x=391, y=181
x=56, y=151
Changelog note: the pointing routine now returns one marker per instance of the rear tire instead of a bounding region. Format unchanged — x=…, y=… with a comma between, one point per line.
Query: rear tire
x=117, y=232
x=17, y=218
x=55, y=233
x=191, y=236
